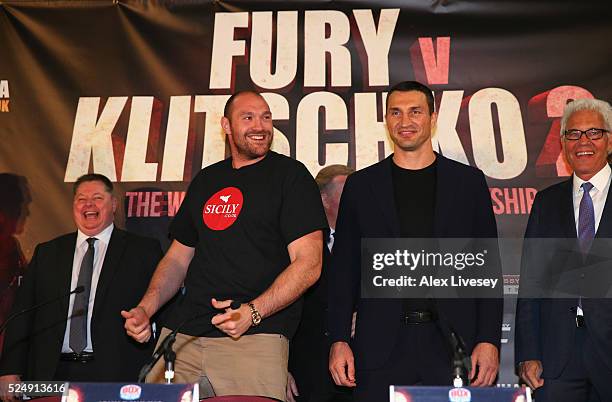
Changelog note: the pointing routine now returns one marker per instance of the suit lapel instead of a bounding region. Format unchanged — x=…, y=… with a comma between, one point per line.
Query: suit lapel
x=566, y=210
x=445, y=191
x=115, y=249
x=605, y=224
x=382, y=189
x=65, y=260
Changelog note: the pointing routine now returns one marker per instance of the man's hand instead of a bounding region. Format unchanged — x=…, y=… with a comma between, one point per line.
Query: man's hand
x=232, y=322
x=485, y=357
x=292, y=389
x=342, y=364
x=530, y=371
x=137, y=324
x=5, y=380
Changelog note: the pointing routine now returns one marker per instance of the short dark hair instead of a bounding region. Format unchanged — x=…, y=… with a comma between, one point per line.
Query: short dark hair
x=406, y=86
x=227, y=110
x=93, y=177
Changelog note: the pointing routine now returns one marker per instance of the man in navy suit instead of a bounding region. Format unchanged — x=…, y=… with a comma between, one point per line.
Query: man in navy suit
x=413, y=193
x=564, y=346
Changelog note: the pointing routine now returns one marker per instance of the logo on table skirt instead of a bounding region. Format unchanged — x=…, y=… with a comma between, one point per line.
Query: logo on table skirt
x=459, y=395
x=222, y=208
x=130, y=392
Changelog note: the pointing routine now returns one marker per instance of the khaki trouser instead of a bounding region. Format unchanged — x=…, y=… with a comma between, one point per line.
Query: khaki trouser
x=251, y=365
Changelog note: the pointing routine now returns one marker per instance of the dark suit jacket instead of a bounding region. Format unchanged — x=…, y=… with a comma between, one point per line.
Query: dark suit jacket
x=545, y=327
x=34, y=341
x=309, y=348
x=367, y=209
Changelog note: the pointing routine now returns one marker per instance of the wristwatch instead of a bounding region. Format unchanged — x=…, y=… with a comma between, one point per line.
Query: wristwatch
x=255, y=316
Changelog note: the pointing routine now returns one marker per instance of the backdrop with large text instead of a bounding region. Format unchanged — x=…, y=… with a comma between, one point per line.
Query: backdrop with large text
x=135, y=90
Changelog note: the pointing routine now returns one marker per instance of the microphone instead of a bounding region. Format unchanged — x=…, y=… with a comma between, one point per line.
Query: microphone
x=165, y=349
x=78, y=289
x=462, y=364
x=164, y=346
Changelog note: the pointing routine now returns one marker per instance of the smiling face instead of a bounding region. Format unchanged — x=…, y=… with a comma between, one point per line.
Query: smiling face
x=93, y=207
x=249, y=128
x=585, y=156
x=409, y=120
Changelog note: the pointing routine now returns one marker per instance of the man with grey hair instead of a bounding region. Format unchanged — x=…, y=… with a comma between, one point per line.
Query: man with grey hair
x=563, y=346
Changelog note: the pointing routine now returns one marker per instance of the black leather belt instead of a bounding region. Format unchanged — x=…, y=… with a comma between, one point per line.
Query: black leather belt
x=82, y=357
x=419, y=317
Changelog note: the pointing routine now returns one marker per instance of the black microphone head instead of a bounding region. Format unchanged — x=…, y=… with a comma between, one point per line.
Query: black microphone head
x=78, y=289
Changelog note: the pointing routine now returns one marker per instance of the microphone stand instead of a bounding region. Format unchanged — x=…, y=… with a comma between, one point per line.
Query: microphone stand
x=169, y=357
x=165, y=349
x=461, y=361
x=78, y=289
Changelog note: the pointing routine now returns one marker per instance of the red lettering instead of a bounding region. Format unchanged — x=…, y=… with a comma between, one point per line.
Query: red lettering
x=155, y=204
x=142, y=203
x=543, y=108
x=130, y=209
x=511, y=200
x=431, y=65
x=175, y=199
x=498, y=205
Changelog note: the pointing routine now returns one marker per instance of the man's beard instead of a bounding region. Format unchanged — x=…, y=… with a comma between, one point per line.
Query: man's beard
x=252, y=151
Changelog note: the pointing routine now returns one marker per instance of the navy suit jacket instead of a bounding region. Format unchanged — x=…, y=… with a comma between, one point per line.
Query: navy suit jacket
x=367, y=210
x=309, y=349
x=545, y=327
x=33, y=341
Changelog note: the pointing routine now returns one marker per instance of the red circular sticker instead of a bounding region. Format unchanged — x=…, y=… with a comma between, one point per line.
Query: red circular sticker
x=222, y=209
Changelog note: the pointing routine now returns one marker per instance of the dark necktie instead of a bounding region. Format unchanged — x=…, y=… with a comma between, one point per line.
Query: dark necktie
x=586, y=233
x=78, y=321
x=586, y=219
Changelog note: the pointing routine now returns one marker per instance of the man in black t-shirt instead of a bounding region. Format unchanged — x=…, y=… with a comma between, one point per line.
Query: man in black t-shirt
x=413, y=193
x=248, y=231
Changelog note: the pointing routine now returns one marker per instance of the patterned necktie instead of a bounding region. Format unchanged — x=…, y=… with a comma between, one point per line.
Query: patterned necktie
x=586, y=219
x=78, y=321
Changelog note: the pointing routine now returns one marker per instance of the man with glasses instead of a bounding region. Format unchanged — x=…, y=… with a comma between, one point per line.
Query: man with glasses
x=564, y=346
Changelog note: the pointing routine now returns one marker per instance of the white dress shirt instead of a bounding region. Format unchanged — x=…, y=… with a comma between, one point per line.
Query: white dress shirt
x=599, y=193
x=330, y=239
x=100, y=247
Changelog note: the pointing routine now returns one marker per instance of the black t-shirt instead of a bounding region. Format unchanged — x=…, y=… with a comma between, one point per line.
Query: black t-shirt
x=415, y=199
x=240, y=222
